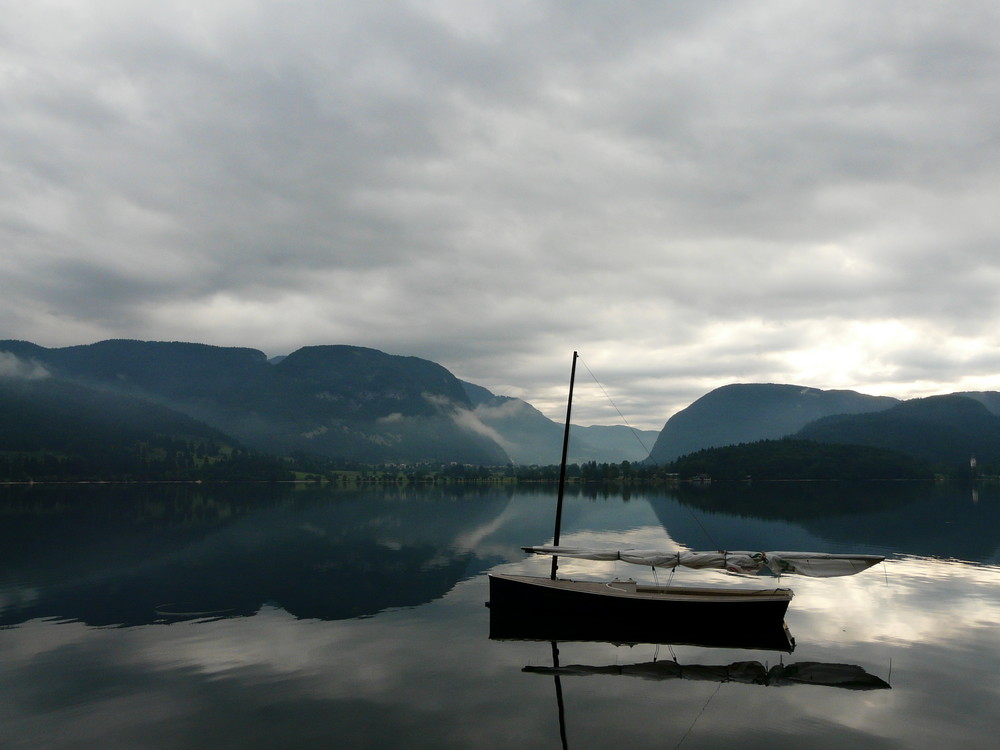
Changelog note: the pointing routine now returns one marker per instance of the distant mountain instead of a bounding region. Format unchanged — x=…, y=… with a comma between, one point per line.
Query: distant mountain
x=529, y=437
x=945, y=430
x=616, y=443
x=748, y=412
x=338, y=401
x=362, y=405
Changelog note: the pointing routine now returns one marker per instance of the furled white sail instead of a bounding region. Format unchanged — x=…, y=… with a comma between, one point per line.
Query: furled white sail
x=819, y=564
x=813, y=564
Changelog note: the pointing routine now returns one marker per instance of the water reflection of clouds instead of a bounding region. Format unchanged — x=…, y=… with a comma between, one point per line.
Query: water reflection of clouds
x=18, y=596
x=251, y=681
x=36, y=637
x=232, y=681
x=917, y=601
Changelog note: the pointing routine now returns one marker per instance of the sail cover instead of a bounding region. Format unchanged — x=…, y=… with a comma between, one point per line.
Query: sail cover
x=813, y=564
x=819, y=564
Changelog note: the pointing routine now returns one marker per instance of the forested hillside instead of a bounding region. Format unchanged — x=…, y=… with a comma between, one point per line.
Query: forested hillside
x=789, y=459
x=52, y=430
x=343, y=402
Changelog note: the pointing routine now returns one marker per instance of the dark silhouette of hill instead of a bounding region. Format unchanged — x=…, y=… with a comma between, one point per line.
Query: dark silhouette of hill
x=343, y=402
x=905, y=440
x=355, y=404
x=747, y=412
x=944, y=430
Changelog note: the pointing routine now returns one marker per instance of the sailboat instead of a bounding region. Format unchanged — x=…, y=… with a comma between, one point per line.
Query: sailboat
x=677, y=611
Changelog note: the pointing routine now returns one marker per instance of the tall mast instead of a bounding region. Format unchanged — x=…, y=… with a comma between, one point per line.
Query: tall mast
x=562, y=468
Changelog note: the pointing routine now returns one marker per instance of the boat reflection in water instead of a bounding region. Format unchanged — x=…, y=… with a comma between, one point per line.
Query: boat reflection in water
x=506, y=625
x=847, y=676
x=603, y=625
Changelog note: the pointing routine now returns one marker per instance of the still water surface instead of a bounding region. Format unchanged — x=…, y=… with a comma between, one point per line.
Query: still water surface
x=281, y=616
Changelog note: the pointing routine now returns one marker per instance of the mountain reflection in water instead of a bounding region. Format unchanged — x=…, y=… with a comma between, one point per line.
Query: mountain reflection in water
x=169, y=553
x=917, y=518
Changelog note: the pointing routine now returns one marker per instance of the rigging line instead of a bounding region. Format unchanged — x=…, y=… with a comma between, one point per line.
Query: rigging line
x=635, y=432
x=701, y=526
x=708, y=536
x=681, y=742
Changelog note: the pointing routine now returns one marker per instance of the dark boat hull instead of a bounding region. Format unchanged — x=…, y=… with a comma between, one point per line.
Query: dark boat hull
x=528, y=608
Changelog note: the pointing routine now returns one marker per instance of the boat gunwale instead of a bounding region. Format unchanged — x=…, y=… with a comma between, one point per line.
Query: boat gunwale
x=648, y=592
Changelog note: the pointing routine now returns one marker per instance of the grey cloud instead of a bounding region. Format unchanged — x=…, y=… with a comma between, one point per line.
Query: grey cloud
x=494, y=185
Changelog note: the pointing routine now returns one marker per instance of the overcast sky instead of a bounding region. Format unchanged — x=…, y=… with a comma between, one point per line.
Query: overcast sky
x=689, y=193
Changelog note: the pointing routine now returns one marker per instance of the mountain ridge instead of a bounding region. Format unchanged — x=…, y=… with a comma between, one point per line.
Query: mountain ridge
x=346, y=402
x=362, y=405
x=746, y=412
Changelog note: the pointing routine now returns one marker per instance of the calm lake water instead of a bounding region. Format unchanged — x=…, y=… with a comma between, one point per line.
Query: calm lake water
x=299, y=617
